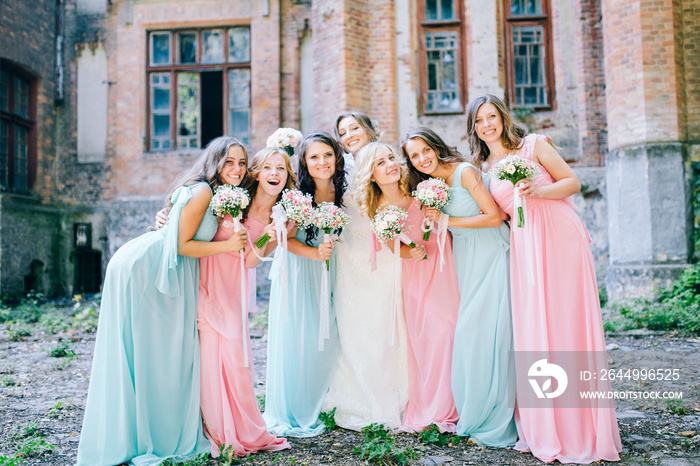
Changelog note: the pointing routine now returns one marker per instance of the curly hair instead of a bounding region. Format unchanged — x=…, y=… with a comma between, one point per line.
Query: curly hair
x=208, y=166
x=367, y=193
x=445, y=154
x=511, y=137
x=256, y=167
x=307, y=184
x=370, y=127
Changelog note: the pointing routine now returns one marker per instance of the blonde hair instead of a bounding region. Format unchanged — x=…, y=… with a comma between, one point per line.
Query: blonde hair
x=256, y=167
x=367, y=193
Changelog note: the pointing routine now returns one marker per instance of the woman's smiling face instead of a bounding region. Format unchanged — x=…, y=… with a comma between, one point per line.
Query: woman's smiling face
x=273, y=174
x=235, y=166
x=353, y=136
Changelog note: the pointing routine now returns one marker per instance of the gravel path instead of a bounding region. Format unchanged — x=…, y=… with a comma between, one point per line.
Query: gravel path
x=42, y=399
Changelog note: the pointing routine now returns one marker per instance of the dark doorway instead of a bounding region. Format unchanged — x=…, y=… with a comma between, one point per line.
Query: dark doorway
x=212, y=105
x=87, y=266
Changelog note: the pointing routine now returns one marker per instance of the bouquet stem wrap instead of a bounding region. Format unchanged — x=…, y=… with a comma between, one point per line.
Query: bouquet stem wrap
x=520, y=211
x=324, y=324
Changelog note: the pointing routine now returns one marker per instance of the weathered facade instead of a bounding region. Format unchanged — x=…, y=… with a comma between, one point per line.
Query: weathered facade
x=105, y=101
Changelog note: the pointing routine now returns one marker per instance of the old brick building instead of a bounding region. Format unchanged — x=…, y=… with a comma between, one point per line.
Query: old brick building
x=103, y=102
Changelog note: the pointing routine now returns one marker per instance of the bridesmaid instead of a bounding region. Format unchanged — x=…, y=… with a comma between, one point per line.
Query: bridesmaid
x=229, y=406
x=559, y=313
x=483, y=373
x=430, y=296
x=298, y=373
x=143, y=400
x=370, y=383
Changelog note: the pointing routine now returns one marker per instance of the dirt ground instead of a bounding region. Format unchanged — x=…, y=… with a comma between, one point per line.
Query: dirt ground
x=44, y=381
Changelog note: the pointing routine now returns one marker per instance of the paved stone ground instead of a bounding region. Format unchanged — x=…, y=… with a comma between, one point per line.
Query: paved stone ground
x=44, y=396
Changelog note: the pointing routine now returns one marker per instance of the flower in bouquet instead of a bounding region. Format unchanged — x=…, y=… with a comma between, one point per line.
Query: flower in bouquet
x=514, y=169
x=297, y=207
x=433, y=192
x=286, y=139
x=229, y=200
x=329, y=217
x=390, y=222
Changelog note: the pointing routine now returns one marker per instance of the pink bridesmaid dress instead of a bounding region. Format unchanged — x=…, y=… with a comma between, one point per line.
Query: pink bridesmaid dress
x=229, y=406
x=558, y=314
x=431, y=306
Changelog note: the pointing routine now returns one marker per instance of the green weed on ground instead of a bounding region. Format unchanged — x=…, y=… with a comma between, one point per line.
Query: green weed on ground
x=676, y=308
x=379, y=447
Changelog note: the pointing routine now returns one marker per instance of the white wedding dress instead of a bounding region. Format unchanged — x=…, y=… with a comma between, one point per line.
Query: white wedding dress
x=371, y=382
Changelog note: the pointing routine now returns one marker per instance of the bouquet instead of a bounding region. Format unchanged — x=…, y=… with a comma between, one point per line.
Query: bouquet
x=329, y=217
x=433, y=192
x=514, y=169
x=297, y=206
x=390, y=222
x=285, y=138
x=230, y=200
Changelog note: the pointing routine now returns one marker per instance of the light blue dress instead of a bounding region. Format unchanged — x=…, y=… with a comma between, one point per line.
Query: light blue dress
x=298, y=374
x=143, y=400
x=483, y=375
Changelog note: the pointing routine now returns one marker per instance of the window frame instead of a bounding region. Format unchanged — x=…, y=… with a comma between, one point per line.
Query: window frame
x=425, y=26
x=173, y=68
x=15, y=120
x=545, y=20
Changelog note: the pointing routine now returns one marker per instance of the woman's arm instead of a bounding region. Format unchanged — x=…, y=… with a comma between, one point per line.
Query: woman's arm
x=407, y=252
x=190, y=219
x=490, y=216
x=321, y=253
x=252, y=260
x=566, y=182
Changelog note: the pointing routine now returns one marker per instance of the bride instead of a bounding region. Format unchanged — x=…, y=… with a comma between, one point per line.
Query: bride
x=370, y=383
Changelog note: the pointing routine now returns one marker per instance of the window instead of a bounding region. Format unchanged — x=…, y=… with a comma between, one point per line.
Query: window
x=17, y=120
x=530, y=70
x=441, y=62
x=199, y=87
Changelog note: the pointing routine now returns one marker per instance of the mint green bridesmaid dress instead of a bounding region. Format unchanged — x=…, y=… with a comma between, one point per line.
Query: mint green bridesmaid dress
x=143, y=400
x=483, y=377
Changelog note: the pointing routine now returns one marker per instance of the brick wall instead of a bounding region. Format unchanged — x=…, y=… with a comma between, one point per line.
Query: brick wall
x=137, y=175
x=590, y=68
x=295, y=16
x=641, y=72
x=689, y=17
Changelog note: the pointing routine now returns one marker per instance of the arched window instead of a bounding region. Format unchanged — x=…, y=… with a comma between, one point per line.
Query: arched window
x=17, y=128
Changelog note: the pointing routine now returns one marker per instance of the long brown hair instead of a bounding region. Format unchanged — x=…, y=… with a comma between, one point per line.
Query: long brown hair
x=208, y=166
x=444, y=153
x=511, y=137
x=370, y=127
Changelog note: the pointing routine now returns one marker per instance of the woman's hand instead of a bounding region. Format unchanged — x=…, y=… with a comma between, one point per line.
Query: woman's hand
x=161, y=219
x=528, y=189
x=238, y=240
x=418, y=253
x=324, y=251
x=431, y=213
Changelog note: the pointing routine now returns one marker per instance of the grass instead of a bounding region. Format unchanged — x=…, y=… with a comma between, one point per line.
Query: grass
x=380, y=447
x=328, y=419
x=431, y=435
x=676, y=308
x=62, y=350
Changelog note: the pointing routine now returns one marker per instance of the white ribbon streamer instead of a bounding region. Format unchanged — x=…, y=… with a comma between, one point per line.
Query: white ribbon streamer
x=441, y=230
x=324, y=324
x=238, y=226
x=519, y=202
x=280, y=218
